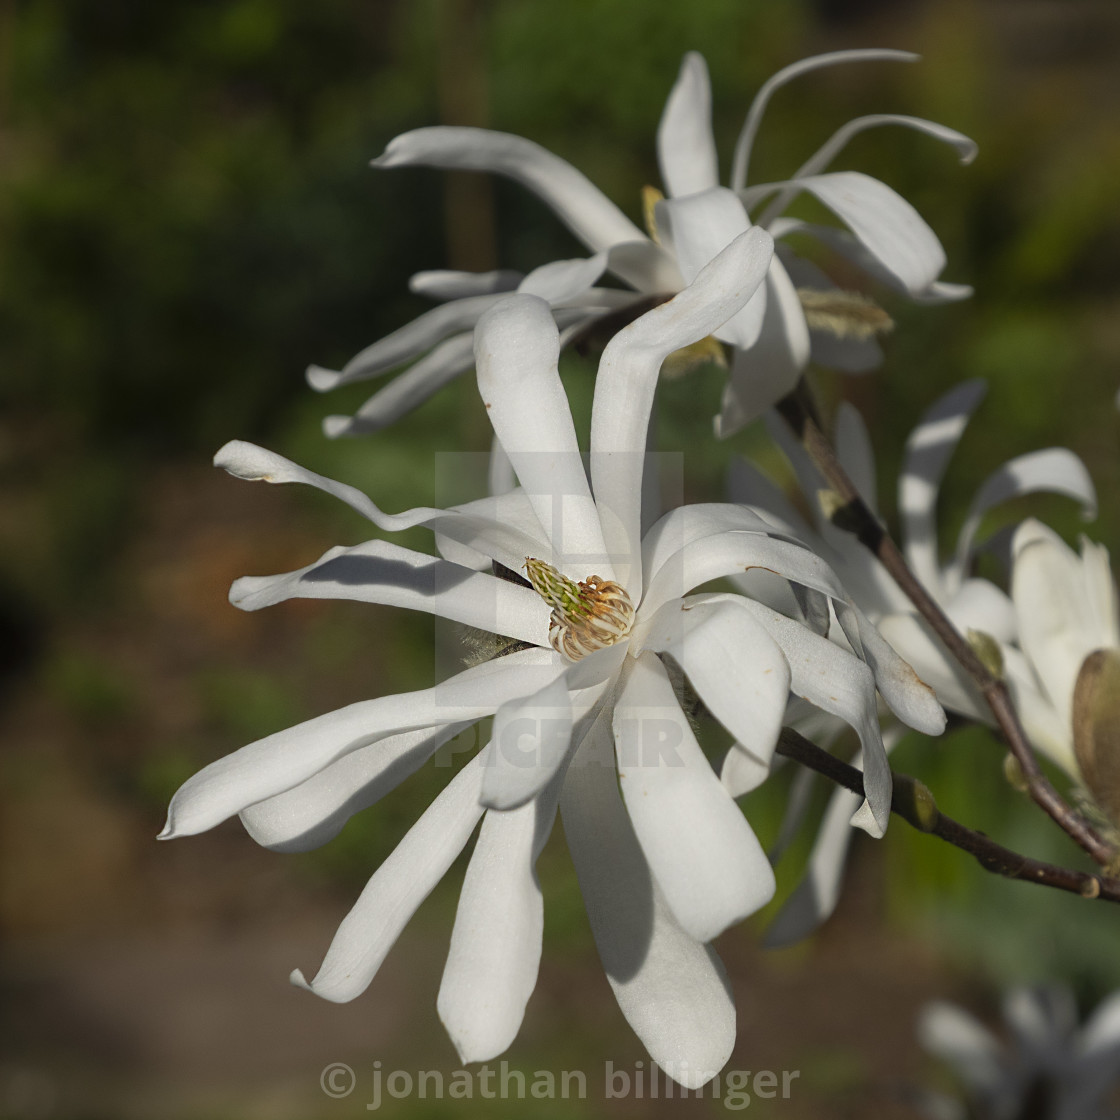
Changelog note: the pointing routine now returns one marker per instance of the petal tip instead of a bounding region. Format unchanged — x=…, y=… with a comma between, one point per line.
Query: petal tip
x=322, y=379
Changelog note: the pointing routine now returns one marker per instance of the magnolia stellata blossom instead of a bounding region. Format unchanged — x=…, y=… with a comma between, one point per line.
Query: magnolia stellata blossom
x=796, y=314
x=1049, y=1066
x=976, y=606
x=1068, y=615
x=584, y=710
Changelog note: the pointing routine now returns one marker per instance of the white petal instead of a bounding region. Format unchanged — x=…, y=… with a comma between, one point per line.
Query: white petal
x=771, y=368
x=563, y=280
x=737, y=669
x=832, y=147
x=407, y=390
x=493, y=538
x=747, y=484
x=283, y=760
x=448, y=283
x=957, y=1038
x=726, y=553
x=816, y=895
x=1102, y=1030
x=686, y=148
x=886, y=225
x=627, y=379
x=671, y=988
x=577, y=202
x=517, y=348
x=741, y=771
x=928, y=451
x=749, y=130
x=980, y=605
x=397, y=888
x=1054, y=470
x=406, y=343
x=838, y=683
x=500, y=477
x=495, y=950
x=310, y=814
x=701, y=850
x=380, y=572
x=646, y=266
x=700, y=226
x=853, y=448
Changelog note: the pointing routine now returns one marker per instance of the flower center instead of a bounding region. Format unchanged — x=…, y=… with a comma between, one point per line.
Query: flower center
x=586, y=616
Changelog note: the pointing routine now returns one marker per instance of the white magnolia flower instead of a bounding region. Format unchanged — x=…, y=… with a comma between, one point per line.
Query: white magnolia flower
x=976, y=606
x=773, y=339
x=1068, y=615
x=584, y=711
x=1049, y=1068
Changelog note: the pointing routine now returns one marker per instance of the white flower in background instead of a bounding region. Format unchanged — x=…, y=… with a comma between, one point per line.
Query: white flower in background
x=796, y=315
x=583, y=711
x=977, y=607
x=1049, y=1068
x=1068, y=615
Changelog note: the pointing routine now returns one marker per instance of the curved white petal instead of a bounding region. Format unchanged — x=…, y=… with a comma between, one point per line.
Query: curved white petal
x=1055, y=470
x=407, y=390
x=831, y=148
x=701, y=850
x=700, y=226
x=405, y=343
x=627, y=379
x=380, y=572
x=495, y=952
x=449, y=283
x=517, y=348
x=671, y=988
x=980, y=605
x=310, y=814
x=886, y=225
x=747, y=484
x=646, y=266
x=493, y=538
x=960, y=1040
x=283, y=760
x=1102, y=1029
x=686, y=148
x=510, y=508
x=397, y=888
x=558, y=281
x=928, y=451
x=745, y=142
x=577, y=202
x=762, y=375
x=736, y=667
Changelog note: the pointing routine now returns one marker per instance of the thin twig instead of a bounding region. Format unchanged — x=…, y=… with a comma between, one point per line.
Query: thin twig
x=912, y=801
x=799, y=411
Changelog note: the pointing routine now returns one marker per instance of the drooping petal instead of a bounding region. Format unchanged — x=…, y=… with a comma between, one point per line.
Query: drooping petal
x=283, y=760
x=700, y=226
x=495, y=952
x=406, y=343
x=397, y=888
x=771, y=368
x=493, y=538
x=686, y=148
x=449, y=283
x=815, y=897
x=517, y=348
x=310, y=814
x=380, y=572
x=701, y=850
x=1055, y=470
x=627, y=378
x=736, y=667
x=831, y=148
x=928, y=451
x=885, y=224
x=563, y=280
x=407, y=390
x=576, y=201
x=745, y=142
x=671, y=988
